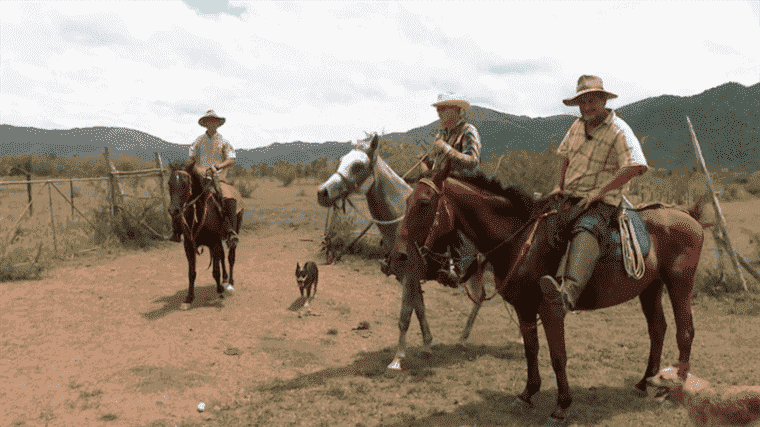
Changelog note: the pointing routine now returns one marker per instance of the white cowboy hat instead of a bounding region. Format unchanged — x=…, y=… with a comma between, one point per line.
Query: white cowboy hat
x=450, y=98
x=210, y=114
x=588, y=84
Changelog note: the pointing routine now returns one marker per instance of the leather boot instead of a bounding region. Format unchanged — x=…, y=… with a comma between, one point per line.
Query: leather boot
x=584, y=252
x=230, y=221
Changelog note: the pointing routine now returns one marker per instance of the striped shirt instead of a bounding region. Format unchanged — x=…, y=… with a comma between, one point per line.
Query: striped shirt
x=211, y=151
x=464, y=138
x=594, y=158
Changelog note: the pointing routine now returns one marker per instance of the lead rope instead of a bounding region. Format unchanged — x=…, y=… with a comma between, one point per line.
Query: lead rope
x=633, y=259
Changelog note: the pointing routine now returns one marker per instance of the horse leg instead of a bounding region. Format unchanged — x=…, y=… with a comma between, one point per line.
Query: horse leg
x=529, y=331
x=225, y=278
x=191, y=274
x=554, y=327
x=231, y=258
x=479, y=294
x=651, y=305
x=404, y=319
x=217, y=257
x=418, y=303
x=680, y=299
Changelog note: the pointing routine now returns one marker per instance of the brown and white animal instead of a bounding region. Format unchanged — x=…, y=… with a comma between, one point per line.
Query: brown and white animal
x=710, y=405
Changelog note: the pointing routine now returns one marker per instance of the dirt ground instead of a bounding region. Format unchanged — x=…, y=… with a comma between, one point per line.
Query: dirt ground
x=101, y=340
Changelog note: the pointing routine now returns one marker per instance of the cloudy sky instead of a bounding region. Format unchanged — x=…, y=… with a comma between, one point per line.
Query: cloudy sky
x=321, y=71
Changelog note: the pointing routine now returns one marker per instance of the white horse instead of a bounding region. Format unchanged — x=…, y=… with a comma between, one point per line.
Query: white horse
x=362, y=170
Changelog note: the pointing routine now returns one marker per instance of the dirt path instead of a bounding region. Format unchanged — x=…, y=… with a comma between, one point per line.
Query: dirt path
x=105, y=343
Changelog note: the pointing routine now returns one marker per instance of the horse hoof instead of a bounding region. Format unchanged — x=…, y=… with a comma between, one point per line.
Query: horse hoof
x=184, y=307
x=520, y=407
x=395, y=366
x=555, y=422
x=639, y=392
x=229, y=290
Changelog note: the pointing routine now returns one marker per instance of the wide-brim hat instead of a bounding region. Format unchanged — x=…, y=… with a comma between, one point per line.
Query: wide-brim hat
x=588, y=84
x=451, y=98
x=210, y=114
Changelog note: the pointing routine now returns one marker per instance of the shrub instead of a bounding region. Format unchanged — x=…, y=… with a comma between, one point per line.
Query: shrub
x=753, y=183
x=246, y=189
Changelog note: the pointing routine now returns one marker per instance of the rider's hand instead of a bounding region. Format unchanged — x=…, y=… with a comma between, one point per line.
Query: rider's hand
x=210, y=171
x=556, y=191
x=440, y=146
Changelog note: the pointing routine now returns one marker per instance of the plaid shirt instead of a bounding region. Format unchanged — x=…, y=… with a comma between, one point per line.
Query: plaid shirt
x=463, y=138
x=211, y=151
x=594, y=158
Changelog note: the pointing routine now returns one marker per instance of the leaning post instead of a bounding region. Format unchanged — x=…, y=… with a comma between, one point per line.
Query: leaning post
x=721, y=220
x=162, y=191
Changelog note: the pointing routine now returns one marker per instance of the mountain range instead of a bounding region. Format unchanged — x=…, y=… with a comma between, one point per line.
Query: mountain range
x=726, y=120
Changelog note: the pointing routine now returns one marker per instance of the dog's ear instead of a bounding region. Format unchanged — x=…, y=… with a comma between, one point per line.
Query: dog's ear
x=683, y=369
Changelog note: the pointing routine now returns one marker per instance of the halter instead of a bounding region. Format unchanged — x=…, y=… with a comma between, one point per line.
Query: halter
x=534, y=220
x=187, y=230
x=353, y=188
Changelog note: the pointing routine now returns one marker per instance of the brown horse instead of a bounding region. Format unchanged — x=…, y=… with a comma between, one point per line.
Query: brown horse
x=194, y=208
x=523, y=241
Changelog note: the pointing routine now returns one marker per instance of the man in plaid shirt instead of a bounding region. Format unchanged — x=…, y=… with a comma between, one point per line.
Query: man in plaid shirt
x=458, y=143
x=600, y=156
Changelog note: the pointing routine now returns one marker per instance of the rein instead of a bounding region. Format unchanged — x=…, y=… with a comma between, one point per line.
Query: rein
x=534, y=220
x=353, y=188
x=187, y=230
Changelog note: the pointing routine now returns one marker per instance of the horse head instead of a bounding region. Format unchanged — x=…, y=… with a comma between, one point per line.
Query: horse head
x=353, y=174
x=184, y=185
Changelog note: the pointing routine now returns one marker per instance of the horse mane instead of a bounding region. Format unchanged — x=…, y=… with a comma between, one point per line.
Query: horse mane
x=523, y=201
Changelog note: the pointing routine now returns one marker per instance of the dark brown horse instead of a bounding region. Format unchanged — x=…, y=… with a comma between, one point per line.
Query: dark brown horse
x=194, y=208
x=523, y=241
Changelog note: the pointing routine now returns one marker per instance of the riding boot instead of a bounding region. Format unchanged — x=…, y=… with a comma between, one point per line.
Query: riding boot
x=230, y=221
x=451, y=274
x=584, y=252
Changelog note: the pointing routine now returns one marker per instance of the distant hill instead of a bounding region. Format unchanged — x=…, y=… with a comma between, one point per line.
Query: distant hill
x=726, y=119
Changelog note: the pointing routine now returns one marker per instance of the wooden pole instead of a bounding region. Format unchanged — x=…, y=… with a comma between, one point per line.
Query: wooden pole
x=721, y=220
x=52, y=222
x=71, y=191
x=160, y=165
x=115, y=184
x=29, y=193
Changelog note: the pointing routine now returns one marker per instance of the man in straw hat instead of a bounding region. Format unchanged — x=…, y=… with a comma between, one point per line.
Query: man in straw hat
x=600, y=156
x=458, y=143
x=211, y=154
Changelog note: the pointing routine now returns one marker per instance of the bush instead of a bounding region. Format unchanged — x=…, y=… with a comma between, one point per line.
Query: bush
x=246, y=189
x=753, y=184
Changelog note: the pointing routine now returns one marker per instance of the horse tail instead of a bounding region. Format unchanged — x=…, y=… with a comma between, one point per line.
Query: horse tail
x=697, y=211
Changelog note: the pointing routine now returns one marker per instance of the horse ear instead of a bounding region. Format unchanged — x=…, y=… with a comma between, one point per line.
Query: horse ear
x=298, y=267
x=373, y=146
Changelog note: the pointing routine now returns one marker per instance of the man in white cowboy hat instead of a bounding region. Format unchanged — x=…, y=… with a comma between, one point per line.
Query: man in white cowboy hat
x=458, y=143
x=600, y=154
x=211, y=154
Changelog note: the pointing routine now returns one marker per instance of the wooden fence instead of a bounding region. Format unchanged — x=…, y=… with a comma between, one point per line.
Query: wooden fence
x=115, y=195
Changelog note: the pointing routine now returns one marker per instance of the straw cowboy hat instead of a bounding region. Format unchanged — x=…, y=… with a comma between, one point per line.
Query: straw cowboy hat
x=588, y=84
x=210, y=114
x=450, y=98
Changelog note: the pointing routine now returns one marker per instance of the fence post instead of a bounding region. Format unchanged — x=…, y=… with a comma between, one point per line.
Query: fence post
x=721, y=220
x=113, y=181
x=160, y=165
x=29, y=193
x=71, y=191
x=52, y=221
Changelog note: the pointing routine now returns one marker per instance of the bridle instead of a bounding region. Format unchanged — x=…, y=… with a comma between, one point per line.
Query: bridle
x=186, y=229
x=442, y=258
x=352, y=187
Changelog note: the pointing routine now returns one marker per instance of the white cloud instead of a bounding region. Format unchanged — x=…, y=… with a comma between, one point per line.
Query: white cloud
x=331, y=70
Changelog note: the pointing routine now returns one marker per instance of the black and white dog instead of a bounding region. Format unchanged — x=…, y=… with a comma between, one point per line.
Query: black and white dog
x=307, y=276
